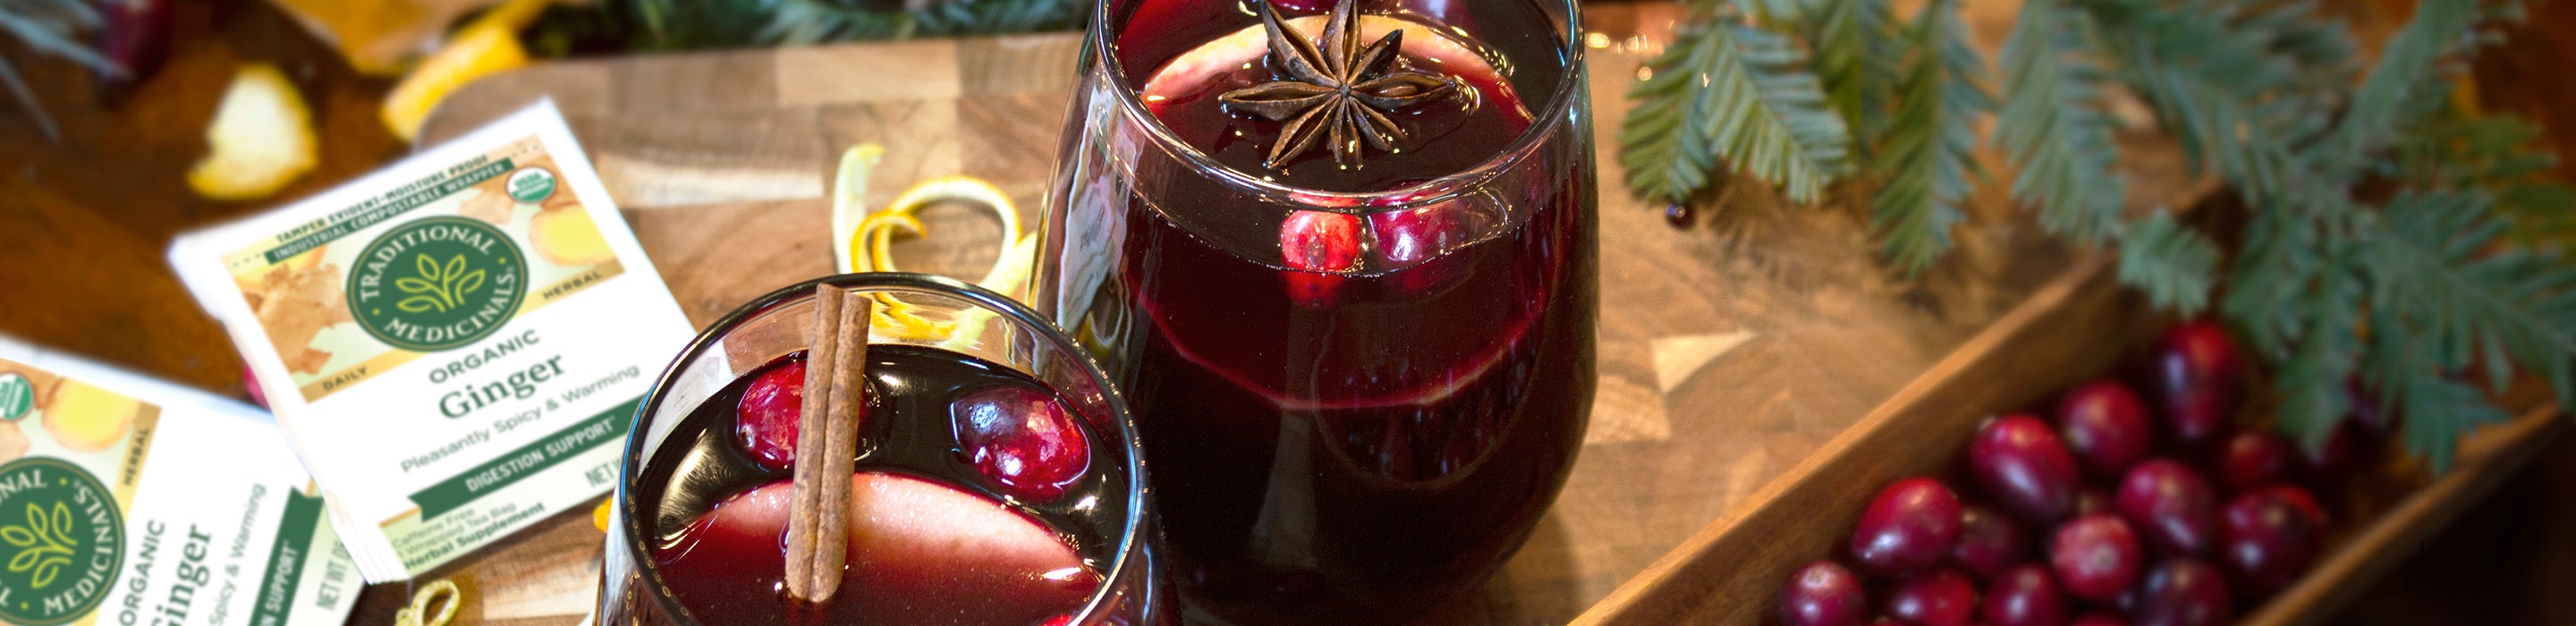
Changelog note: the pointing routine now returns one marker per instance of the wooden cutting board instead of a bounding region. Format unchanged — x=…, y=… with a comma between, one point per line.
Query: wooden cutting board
x=1730, y=349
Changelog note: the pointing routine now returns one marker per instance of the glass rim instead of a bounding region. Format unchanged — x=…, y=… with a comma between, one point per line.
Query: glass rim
x=1131, y=533
x=1553, y=116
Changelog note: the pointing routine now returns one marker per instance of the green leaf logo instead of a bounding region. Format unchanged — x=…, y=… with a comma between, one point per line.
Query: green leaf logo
x=438, y=287
x=62, y=535
x=43, y=545
x=437, y=283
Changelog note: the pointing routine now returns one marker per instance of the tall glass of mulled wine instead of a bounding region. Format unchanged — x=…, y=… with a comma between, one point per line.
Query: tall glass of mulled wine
x=1341, y=257
x=997, y=478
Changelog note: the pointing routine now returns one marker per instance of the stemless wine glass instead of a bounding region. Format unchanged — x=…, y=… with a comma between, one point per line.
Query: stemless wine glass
x=1362, y=384
x=1103, y=514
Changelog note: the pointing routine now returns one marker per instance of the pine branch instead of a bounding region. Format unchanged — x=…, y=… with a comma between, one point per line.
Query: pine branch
x=1928, y=155
x=2175, y=265
x=1724, y=90
x=1858, y=53
x=2395, y=95
x=2245, y=86
x=2050, y=128
x=2440, y=276
x=2311, y=381
x=1662, y=144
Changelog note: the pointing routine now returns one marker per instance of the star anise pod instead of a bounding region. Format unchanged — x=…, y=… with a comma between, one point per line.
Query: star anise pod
x=1336, y=90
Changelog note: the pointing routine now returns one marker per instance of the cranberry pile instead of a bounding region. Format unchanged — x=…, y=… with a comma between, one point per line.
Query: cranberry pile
x=2106, y=515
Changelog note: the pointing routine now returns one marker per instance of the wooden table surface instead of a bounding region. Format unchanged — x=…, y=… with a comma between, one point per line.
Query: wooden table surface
x=1730, y=349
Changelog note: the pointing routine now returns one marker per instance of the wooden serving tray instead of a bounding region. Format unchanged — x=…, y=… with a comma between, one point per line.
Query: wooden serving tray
x=2070, y=331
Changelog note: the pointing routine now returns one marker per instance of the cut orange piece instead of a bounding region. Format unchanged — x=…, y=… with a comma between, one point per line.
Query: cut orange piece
x=261, y=139
x=482, y=49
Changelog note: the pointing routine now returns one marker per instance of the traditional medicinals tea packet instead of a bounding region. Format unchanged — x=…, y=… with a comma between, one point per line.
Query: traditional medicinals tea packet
x=126, y=500
x=455, y=344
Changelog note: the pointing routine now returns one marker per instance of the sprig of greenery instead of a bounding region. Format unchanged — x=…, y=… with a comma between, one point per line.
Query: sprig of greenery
x=1933, y=134
x=2398, y=293
x=2056, y=136
x=1724, y=90
x=1859, y=54
x=2172, y=263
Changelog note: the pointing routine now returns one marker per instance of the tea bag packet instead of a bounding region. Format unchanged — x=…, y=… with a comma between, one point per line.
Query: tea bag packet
x=455, y=344
x=127, y=500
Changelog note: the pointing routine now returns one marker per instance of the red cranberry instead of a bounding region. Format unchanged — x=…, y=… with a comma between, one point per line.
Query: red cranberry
x=2091, y=500
x=1823, y=594
x=1413, y=235
x=1021, y=438
x=2096, y=557
x=2253, y=458
x=2183, y=592
x=1320, y=241
x=1678, y=214
x=1941, y=597
x=2023, y=464
x=2199, y=379
x=1911, y=525
x=1989, y=541
x=2098, y=619
x=2297, y=497
x=2170, y=504
x=2105, y=426
x=2266, y=542
x=2025, y=595
x=764, y=421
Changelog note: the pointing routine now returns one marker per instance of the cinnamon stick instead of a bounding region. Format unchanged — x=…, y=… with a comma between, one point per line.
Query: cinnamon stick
x=827, y=440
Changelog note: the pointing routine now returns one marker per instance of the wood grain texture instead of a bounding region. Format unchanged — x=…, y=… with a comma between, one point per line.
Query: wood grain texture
x=1730, y=350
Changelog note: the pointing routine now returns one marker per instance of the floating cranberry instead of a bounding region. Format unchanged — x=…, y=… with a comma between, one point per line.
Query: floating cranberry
x=1413, y=235
x=2183, y=591
x=764, y=421
x=1823, y=594
x=2022, y=463
x=2096, y=557
x=2253, y=458
x=2266, y=541
x=1320, y=241
x=2105, y=426
x=2199, y=380
x=1941, y=597
x=2170, y=504
x=1021, y=438
x=1678, y=215
x=1989, y=541
x=1911, y=525
x=2025, y=595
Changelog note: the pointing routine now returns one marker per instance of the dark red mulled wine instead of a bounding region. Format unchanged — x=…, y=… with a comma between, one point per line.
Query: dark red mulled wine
x=974, y=502
x=1360, y=384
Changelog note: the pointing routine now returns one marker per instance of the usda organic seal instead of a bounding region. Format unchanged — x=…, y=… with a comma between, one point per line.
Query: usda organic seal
x=61, y=540
x=531, y=184
x=437, y=283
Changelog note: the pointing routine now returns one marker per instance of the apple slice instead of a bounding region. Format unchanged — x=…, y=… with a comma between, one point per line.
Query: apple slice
x=919, y=552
